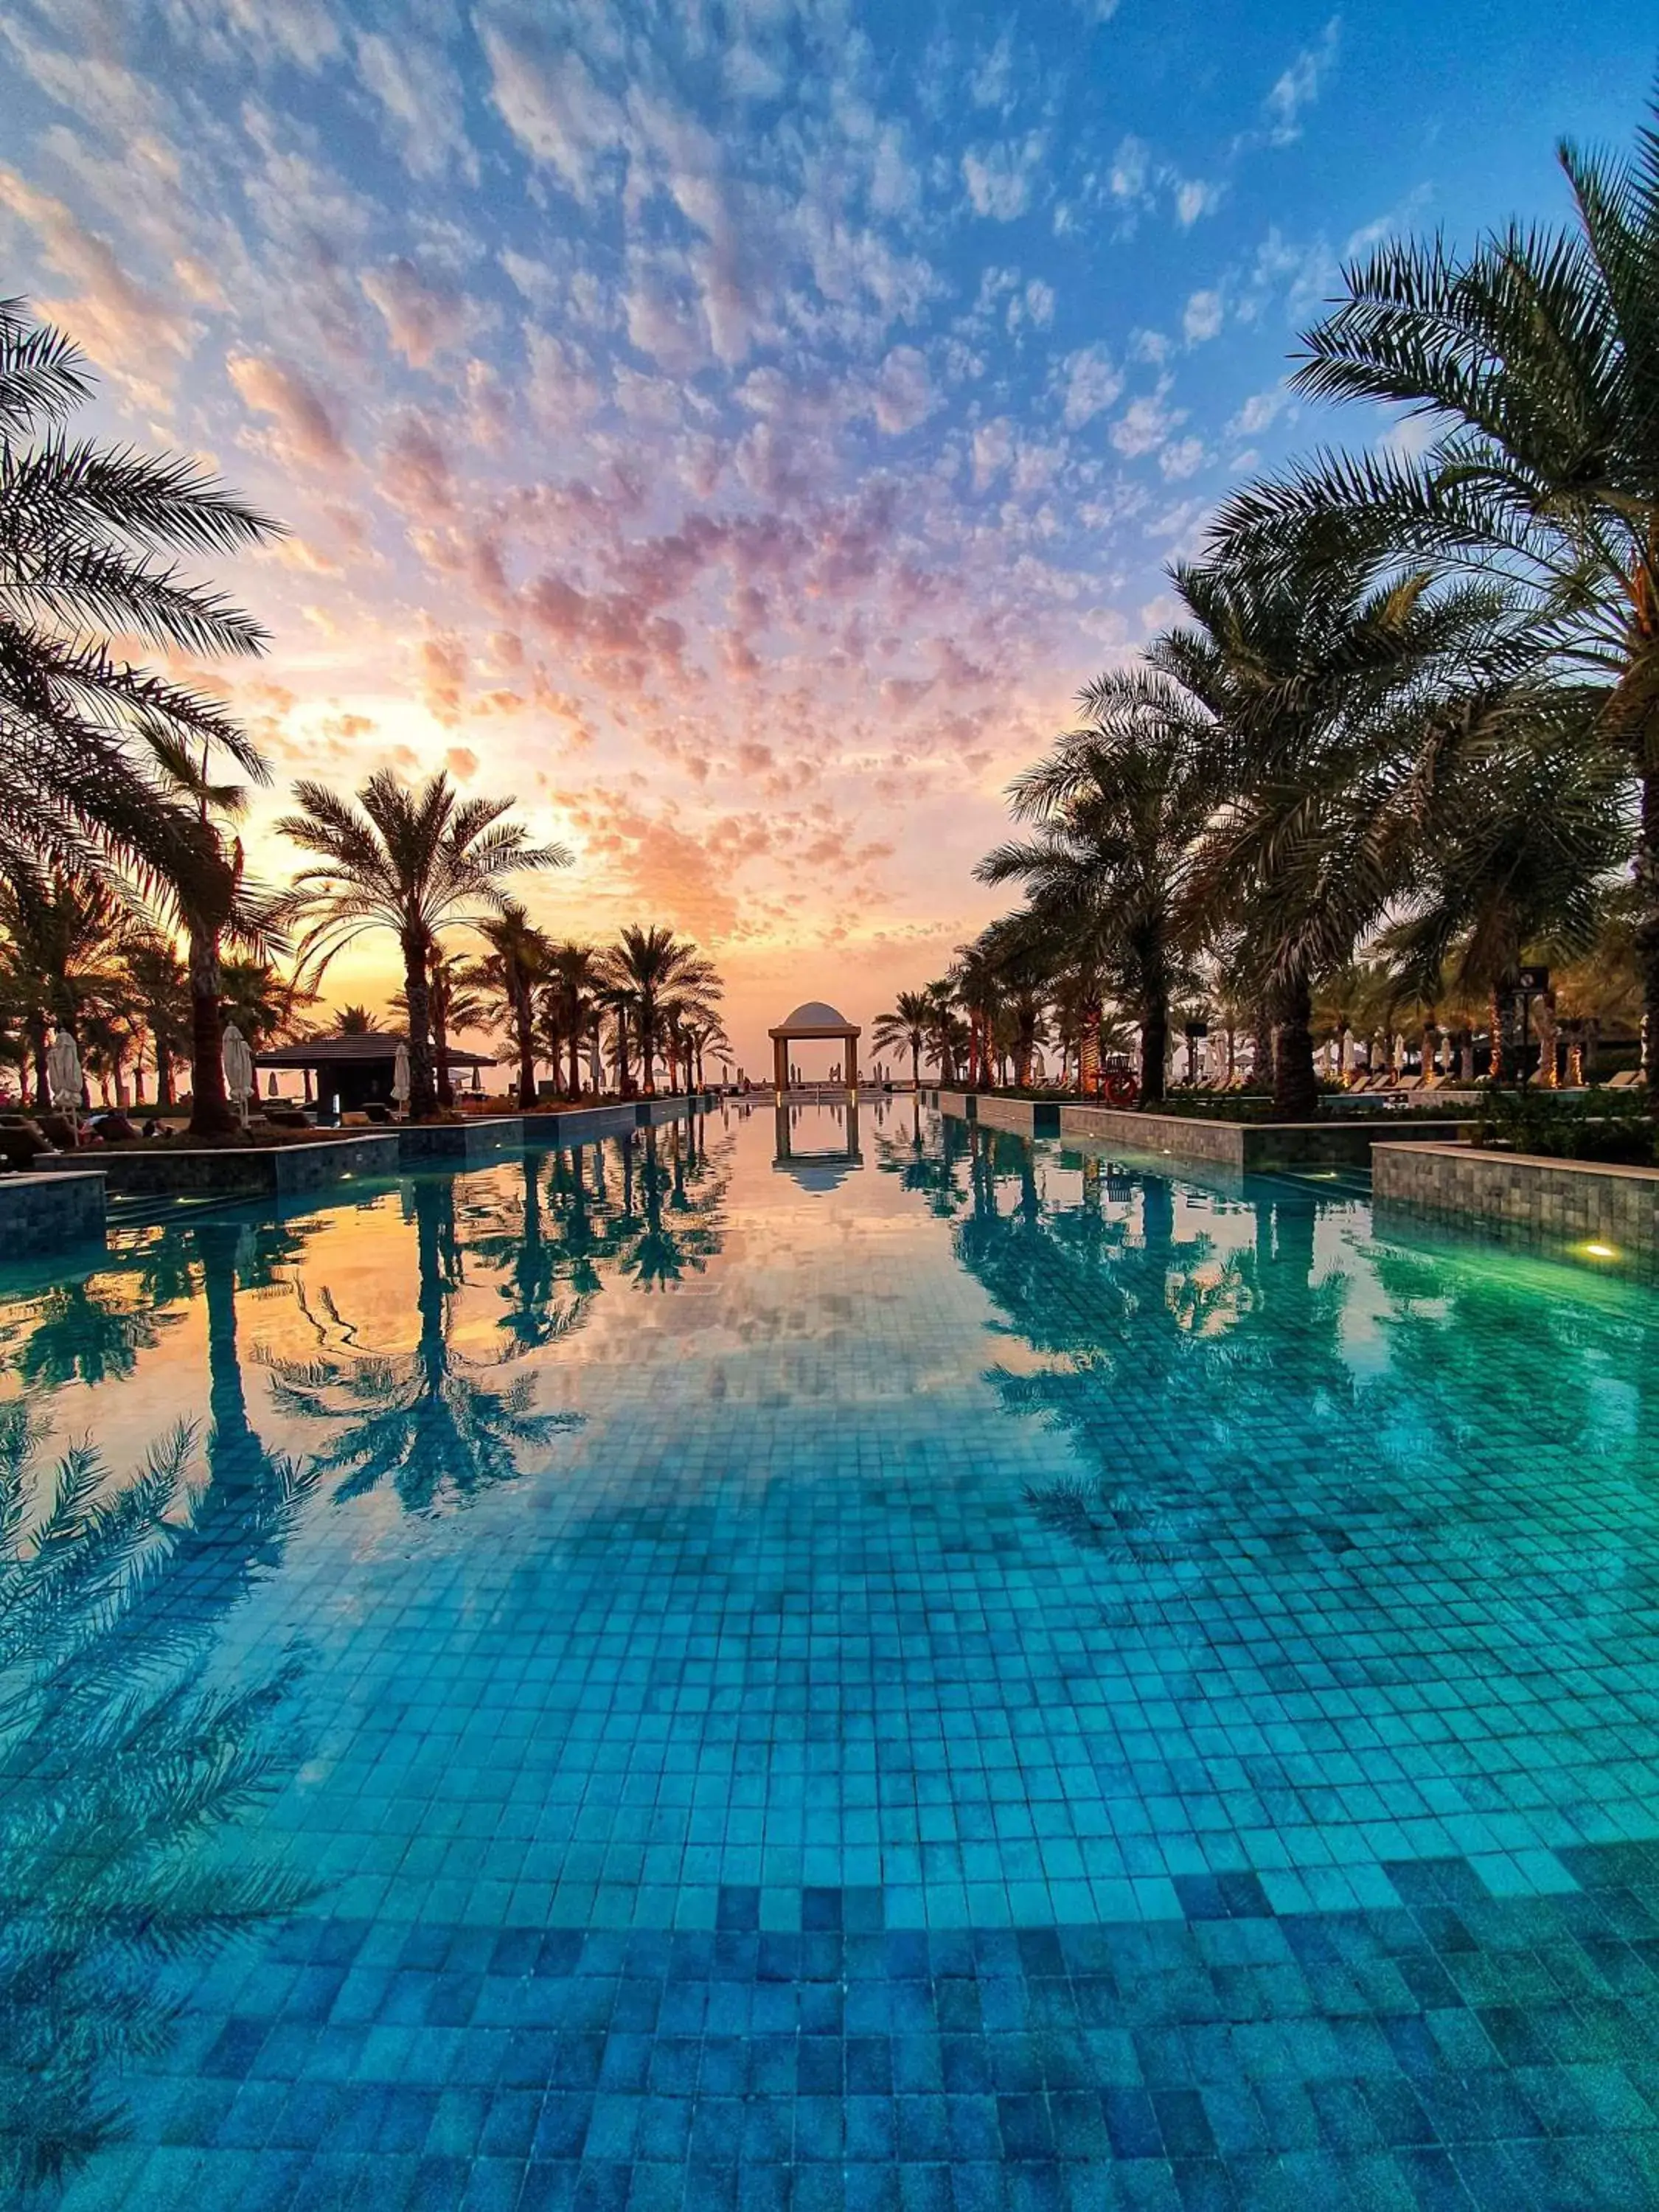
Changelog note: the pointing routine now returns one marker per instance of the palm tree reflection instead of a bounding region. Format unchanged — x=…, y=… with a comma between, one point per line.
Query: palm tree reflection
x=90, y=1331
x=438, y=1427
x=1147, y=1343
x=550, y=1275
x=116, y=1771
x=672, y=1212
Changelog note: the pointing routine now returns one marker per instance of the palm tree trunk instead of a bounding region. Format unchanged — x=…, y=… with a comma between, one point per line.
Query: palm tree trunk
x=42, y=1082
x=1296, y=1086
x=576, y=1054
x=1261, y=1043
x=210, y=1114
x=1154, y=1050
x=648, y=1028
x=1088, y=1051
x=1647, y=928
x=438, y=1017
x=915, y=1064
x=417, y=994
x=524, y=1018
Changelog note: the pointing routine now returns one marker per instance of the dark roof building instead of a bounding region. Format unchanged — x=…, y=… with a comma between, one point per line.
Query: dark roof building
x=356, y=1069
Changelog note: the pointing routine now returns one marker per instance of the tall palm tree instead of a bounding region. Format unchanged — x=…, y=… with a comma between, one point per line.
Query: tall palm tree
x=691, y=1008
x=159, y=989
x=1330, y=694
x=1119, y=804
x=905, y=1029
x=212, y=906
x=517, y=961
x=1534, y=357
x=63, y=938
x=649, y=966
x=977, y=976
x=1521, y=861
x=90, y=535
x=569, y=1004
x=261, y=1000
x=414, y=863
x=947, y=1033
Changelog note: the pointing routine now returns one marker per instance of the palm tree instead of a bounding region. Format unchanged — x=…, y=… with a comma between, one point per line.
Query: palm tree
x=690, y=1008
x=569, y=1004
x=519, y=958
x=647, y=967
x=1119, y=804
x=1535, y=358
x=905, y=1029
x=355, y=1021
x=947, y=1033
x=415, y=863
x=89, y=534
x=1520, y=861
x=1331, y=696
x=159, y=989
x=62, y=941
x=977, y=976
x=259, y=999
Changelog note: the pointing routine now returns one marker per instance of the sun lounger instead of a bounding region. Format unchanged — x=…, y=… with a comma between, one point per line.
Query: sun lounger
x=1626, y=1080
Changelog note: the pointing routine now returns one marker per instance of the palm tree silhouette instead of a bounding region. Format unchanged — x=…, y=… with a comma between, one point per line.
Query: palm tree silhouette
x=435, y=1426
x=538, y=1257
x=117, y=1770
x=656, y=1250
x=413, y=863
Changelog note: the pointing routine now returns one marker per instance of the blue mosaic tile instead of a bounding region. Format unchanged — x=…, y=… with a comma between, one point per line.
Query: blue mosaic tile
x=993, y=1678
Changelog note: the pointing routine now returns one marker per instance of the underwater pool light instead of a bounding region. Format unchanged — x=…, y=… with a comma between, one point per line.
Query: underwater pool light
x=1599, y=1251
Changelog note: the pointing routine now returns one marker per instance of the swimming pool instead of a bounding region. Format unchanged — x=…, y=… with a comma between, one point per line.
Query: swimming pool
x=768, y=1664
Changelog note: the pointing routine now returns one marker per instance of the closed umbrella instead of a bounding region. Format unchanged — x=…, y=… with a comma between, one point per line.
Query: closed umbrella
x=595, y=1065
x=400, y=1083
x=64, y=1074
x=237, y=1059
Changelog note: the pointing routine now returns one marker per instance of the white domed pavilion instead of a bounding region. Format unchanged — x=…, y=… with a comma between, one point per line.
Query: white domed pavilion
x=813, y=1020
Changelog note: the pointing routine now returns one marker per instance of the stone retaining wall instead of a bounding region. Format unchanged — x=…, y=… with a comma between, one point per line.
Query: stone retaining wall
x=1244, y=1146
x=42, y=1213
x=231, y=1171
x=284, y=1171
x=1553, y=1203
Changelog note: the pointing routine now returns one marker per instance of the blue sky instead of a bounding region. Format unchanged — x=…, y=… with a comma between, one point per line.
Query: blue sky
x=739, y=430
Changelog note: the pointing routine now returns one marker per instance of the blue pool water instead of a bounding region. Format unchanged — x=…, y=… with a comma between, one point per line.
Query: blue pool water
x=698, y=1672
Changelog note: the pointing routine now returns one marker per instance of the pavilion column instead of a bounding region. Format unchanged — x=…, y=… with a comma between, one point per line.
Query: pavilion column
x=781, y=1065
x=850, y=1072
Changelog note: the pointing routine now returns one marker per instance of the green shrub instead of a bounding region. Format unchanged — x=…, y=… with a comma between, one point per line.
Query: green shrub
x=1618, y=1129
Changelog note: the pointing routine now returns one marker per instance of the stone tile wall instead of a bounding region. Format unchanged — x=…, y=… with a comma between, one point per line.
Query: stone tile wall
x=1553, y=1202
x=1244, y=1147
x=46, y=1214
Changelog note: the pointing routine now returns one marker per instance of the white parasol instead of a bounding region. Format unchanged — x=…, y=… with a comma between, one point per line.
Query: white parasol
x=400, y=1082
x=237, y=1059
x=64, y=1073
x=595, y=1065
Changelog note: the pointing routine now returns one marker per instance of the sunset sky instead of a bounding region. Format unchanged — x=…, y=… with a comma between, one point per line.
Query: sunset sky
x=738, y=430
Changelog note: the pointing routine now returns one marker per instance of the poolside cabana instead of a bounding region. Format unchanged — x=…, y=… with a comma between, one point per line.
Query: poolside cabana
x=358, y=1070
x=808, y=1023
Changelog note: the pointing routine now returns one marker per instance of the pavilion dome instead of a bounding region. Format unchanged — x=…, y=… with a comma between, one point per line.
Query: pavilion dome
x=815, y=1016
